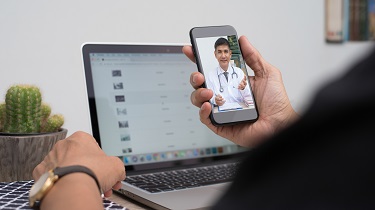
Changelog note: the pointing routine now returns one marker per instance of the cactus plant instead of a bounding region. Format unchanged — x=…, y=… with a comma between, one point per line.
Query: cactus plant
x=23, y=112
x=2, y=115
x=53, y=123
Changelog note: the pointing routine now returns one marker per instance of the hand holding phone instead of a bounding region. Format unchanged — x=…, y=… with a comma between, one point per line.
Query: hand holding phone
x=219, y=59
x=275, y=109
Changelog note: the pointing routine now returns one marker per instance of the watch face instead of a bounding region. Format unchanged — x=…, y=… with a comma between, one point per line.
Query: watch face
x=39, y=184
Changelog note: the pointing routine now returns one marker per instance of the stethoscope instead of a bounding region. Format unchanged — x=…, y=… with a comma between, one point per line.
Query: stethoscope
x=218, y=76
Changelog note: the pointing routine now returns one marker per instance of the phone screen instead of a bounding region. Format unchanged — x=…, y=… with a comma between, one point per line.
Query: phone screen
x=220, y=60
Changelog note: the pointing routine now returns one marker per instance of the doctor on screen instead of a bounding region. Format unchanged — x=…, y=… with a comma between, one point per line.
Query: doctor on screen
x=228, y=82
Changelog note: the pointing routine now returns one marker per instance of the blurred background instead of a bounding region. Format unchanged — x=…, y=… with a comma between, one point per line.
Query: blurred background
x=40, y=42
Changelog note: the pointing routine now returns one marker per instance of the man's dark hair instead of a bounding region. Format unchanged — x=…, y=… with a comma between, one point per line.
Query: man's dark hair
x=221, y=41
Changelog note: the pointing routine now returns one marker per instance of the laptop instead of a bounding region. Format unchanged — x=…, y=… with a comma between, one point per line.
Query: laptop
x=140, y=111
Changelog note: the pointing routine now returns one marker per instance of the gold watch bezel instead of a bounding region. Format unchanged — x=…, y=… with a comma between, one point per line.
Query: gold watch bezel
x=42, y=186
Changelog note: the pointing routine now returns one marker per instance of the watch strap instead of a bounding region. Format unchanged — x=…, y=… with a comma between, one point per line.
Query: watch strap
x=62, y=171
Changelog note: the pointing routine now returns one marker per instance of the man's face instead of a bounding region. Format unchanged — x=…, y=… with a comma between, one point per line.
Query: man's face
x=223, y=55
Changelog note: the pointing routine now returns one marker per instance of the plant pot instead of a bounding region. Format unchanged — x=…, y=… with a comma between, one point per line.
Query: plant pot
x=20, y=153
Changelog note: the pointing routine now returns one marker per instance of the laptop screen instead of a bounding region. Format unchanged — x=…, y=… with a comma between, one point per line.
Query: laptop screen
x=140, y=109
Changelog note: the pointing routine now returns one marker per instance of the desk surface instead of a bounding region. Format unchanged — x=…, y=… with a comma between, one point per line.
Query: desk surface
x=127, y=202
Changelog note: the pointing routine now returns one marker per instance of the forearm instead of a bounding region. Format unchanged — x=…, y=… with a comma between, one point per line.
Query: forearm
x=73, y=191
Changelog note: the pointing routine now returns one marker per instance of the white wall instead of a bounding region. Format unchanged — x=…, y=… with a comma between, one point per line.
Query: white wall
x=40, y=41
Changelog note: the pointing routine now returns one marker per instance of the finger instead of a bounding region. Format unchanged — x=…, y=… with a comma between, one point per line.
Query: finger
x=204, y=113
x=196, y=79
x=252, y=56
x=117, y=174
x=188, y=51
x=117, y=186
x=243, y=84
x=119, y=166
x=198, y=97
x=108, y=193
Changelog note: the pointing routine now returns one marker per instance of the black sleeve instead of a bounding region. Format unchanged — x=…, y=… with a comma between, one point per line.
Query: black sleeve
x=325, y=160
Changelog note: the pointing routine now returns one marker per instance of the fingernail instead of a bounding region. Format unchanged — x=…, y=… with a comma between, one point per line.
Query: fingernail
x=203, y=108
x=194, y=79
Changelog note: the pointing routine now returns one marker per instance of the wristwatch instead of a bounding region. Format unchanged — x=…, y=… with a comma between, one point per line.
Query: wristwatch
x=47, y=180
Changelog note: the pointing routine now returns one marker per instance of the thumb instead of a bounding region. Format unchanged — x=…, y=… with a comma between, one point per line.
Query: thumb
x=252, y=57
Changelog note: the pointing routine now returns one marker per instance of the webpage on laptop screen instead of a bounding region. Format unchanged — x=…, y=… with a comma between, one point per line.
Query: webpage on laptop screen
x=144, y=110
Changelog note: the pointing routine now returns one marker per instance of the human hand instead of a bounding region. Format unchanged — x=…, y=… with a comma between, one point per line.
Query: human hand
x=82, y=149
x=275, y=110
x=219, y=100
x=243, y=83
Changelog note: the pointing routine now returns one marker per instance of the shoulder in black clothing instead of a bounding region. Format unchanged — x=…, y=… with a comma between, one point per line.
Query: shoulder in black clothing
x=326, y=160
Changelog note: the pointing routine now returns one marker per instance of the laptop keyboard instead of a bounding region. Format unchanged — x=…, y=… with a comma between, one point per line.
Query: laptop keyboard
x=182, y=179
x=15, y=195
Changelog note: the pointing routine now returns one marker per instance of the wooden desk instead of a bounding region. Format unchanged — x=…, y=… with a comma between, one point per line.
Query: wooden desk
x=127, y=202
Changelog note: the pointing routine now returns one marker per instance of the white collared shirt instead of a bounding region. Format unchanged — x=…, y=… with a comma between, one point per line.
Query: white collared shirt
x=230, y=91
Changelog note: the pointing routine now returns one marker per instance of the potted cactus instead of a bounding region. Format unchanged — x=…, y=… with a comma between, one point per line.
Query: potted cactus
x=27, y=132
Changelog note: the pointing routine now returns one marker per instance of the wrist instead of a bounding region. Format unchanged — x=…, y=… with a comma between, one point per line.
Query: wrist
x=50, y=179
x=68, y=192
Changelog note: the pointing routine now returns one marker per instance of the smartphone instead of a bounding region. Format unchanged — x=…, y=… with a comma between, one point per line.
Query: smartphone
x=219, y=59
